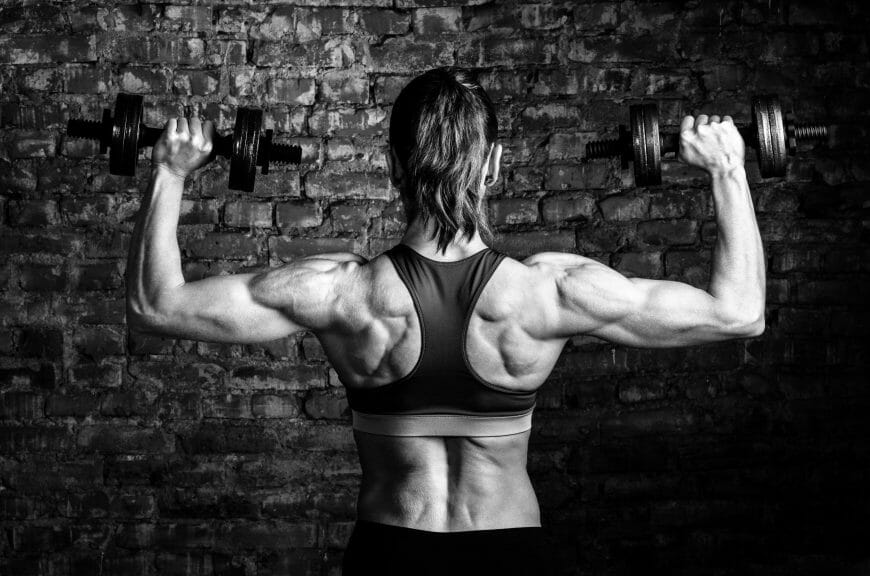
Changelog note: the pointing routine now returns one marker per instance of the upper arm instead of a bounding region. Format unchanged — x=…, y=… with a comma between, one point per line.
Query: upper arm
x=254, y=307
x=590, y=298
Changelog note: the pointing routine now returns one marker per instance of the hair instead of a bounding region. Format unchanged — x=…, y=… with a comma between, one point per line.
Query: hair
x=442, y=127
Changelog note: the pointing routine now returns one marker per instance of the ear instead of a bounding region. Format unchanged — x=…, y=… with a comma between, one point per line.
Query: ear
x=397, y=173
x=493, y=165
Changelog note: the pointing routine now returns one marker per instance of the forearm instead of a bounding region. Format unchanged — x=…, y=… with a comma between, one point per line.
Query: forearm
x=154, y=264
x=737, y=282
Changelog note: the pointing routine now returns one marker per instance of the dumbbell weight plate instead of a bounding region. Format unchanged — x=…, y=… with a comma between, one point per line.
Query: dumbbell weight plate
x=246, y=142
x=646, y=144
x=767, y=115
x=124, y=149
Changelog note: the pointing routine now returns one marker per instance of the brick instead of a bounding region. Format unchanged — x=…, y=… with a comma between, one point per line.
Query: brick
x=122, y=438
x=372, y=186
x=508, y=211
x=97, y=375
x=292, y=90
x=167, y=50
x=15, y=439
x=333, y=53
x=102, y=276
x=343, y=122
x=505, y=51
x=329, y=405
x=384, y=22
x=345, y=88
x=357, y=155
x=559, y=209
x=196, y=82
x=280, y=378
x=271, y=535
x=551, y=115
x=568, y=146
x=41, y=343
x=33, y=144
x=576, y=177
x=42, y=213
x=140, y=80
x=225, y=246
x=796, y=261
x=187, y=18
x=646, y=48
x=640, y=264
x=387, y=88
x=47, y=50
x=128, y=18
x=688, y=266
x=435, y=21
x=288, y=249
x=198, y=212
x=227, y=52
x=248, y=214
x=221, y=437
x=351, y=217
x=668, y=232
x=312, y=350
x=89, y=210
x=100, y=341
x=312, y=24
x=624, y=207
x=41, y=538
x=276, y=183
x=77, y=404
x=274, y=406
x=410, y=56
x=521, y=245
x=21, y=406
x=37, y=376
x=291, y=215
x=235, y=406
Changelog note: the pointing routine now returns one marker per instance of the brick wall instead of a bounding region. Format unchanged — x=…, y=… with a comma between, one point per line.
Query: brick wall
x=124, y=454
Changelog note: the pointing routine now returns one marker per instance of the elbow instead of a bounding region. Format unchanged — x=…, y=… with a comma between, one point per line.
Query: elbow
x=145, y=317
x=755, y=328
x=746, y=325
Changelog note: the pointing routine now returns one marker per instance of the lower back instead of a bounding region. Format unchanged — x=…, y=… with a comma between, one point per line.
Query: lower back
x=446, y=484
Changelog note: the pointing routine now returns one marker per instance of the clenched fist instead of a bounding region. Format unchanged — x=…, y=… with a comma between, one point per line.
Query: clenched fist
x=711, y=143
x=184, y=146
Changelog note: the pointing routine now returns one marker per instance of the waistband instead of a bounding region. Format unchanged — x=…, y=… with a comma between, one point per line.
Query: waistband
x=442, y=424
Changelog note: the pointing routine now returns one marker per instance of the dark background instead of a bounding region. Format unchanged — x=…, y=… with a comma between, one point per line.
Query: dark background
x=124, y=454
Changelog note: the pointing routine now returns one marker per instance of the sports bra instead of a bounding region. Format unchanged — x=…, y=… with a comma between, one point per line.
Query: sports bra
x=442, y=395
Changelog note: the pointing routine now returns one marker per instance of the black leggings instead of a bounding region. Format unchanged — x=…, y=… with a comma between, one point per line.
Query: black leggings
x=384, y=550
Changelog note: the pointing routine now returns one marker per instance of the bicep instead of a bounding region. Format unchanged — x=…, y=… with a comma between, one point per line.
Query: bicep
x=595, y=299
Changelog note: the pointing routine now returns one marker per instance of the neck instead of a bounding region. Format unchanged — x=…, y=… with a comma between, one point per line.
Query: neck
x=421, y=239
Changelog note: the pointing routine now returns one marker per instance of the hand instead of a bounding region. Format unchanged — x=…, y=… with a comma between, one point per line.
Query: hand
x=184, y=146
x=710, y=143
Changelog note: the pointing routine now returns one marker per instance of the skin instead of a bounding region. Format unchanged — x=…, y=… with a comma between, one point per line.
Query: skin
x=365, y=319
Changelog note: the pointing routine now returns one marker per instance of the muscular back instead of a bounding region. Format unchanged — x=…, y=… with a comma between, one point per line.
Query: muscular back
x=433, y=483
x=378, y=340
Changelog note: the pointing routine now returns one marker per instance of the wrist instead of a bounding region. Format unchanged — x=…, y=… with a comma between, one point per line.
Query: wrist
x=727, y=173
x=165, y=173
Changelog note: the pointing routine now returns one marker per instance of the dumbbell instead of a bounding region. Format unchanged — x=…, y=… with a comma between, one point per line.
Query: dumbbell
x=123, y=134
x=773, y=137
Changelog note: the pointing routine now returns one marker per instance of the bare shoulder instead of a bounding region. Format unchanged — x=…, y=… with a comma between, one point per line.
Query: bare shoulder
x=557, y=293
x=309, y=289
x=556, y=262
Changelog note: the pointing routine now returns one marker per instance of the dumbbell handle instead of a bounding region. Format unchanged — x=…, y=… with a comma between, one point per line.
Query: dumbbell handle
x=671, y=140
x=221, y=145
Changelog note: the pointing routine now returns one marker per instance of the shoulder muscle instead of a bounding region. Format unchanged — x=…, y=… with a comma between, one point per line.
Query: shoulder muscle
x=309, y=290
